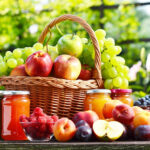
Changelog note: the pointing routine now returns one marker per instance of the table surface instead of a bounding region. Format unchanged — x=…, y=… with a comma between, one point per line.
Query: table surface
x=36, y=145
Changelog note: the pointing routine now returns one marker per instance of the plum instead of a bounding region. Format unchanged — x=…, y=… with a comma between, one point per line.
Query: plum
x=83, y=133
x=142, y=132
x=81, y=123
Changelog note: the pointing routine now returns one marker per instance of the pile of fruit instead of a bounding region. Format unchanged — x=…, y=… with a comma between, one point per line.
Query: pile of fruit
x=143, y=101
x=72, y=58
x=121, y=122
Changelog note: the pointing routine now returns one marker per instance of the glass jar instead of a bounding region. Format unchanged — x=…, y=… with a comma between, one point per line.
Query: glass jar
x=14, y=104
x=95, y=100
x=1, y=97
x=124, y=95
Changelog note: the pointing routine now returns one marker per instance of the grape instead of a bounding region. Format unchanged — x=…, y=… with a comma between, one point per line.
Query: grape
x=1, y=57
x=53, y=55
x=117, y=60
x=117, y=82
x=112, y=72
x=84, y=40
x=108, y=84
x=120, y=68
x=3, y=68
x=38, y=46
x=120, y=74
x=109, y=42
x=12, y=63
x=105, y=57
x=8, y=54
x=20, y=61
x=101, y=45
x=113, y=50
x=125, y=70
x=107, y=65
x=29, y=51
x=105, y=74
x=102, y=65
x=100, y=34
x=17, y=53
x=125, y=83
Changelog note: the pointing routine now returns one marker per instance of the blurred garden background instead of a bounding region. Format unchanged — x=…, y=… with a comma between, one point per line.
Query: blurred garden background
x=128, y=22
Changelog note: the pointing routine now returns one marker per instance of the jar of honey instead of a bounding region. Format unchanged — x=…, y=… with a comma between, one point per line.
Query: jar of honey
x=14, y=104
x=95, y=100
x=124, y=95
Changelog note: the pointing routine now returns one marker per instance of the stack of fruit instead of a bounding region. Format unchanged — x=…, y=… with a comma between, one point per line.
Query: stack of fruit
x=72, y=58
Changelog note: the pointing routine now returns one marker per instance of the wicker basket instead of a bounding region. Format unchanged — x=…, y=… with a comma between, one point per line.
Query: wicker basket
x=54, y=95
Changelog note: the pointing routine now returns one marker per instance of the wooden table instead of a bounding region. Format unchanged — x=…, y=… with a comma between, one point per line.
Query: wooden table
x=117, y=145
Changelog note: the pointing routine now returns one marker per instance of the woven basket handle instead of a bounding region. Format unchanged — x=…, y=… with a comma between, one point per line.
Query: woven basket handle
x=97, y=72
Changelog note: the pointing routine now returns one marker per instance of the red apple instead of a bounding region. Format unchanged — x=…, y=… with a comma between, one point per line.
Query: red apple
x=39, y=64
x=67, y=67
x=89, y=116
x=19, y=71
x=86, y=73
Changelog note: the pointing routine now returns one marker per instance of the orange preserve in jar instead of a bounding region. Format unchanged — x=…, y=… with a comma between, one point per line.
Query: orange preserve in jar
x=95, y=100
x=124, y=95
x=14, y=104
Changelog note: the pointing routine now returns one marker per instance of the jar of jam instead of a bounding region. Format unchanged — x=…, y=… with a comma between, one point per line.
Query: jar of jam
x=124, y=95
x=14, y=104
x=95, y=100
x=1, y=97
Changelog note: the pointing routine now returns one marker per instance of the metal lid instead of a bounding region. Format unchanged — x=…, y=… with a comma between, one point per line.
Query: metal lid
x=121, y=91
x=14, y=92
x=98, y=91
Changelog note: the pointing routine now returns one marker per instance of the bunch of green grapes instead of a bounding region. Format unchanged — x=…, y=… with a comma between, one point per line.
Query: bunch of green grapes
x=114, y=70
x=18, y=56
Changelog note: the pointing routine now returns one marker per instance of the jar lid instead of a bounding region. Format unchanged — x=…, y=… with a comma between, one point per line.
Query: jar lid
x=98, y=91
x=14, y=92
x=121, y=90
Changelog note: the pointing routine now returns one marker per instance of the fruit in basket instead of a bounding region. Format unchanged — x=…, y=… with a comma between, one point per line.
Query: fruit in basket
x=83, y=133
x=64, y=130
x=142, y=132
x=86, y=73
x=18, y=71
x=88, y=116
x=123, y=113
x=70, y=44
x=137, y=109
x=38, y=126
x=108, y=108
x=142, y=118
x=108, y=131
x=39, y=64
x=67, y=67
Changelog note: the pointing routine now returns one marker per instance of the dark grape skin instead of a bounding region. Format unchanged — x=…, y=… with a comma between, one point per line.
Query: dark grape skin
x=137, y=103
x=81, y=123
x=83, y=133
x=144, y=101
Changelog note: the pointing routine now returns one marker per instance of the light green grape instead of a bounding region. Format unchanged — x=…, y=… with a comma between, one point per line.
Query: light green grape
x=38, y=46
x=125, y=83
x=117, y=82
x=105, y=57
x=100, y=34
x=117, y=60
x=118, y=50
x=125, y=70
x=108, y=84
x=8, y=54
x=121, y=74
x=84, y=40
x=102, y=65
x=107, y=65
x=20, y=61
x=24, y=57
x=12, y=63
x=109, y=42
x=113, y=50
x=17, y=53
x=3, y=68
x=112, y=72
x=28, y=51
x=1, y=57
x=120, y=67
x=101, y=45
x=105, y=73
x=53, y=55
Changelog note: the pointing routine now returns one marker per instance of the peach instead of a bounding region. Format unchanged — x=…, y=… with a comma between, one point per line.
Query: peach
x=137, y=109
x=64, y=130
x=142, y=118
x=89, y=116
x=109, y=106
x=123, y=113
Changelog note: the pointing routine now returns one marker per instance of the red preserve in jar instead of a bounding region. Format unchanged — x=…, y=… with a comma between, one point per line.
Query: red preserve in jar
x=14, y=104
x=124, y=95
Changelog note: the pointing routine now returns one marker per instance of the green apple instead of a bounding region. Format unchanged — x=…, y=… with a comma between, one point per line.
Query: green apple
x=108, y=131
x=70, y=44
